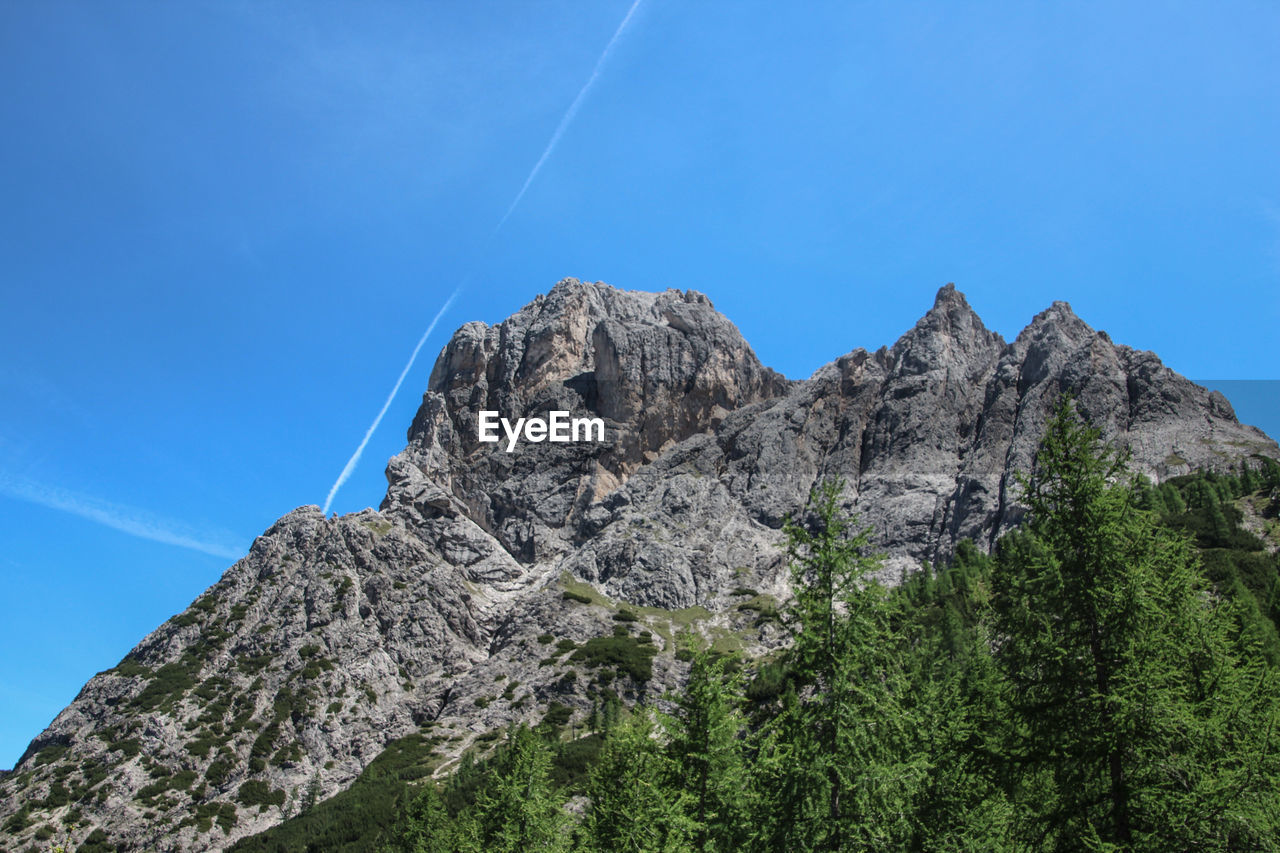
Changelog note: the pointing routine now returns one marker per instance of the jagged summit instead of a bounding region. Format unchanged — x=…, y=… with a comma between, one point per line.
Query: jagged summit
x=949, y=299
x=334, y=636
x=657, y=367
x=949, y=336
x=1059, y=326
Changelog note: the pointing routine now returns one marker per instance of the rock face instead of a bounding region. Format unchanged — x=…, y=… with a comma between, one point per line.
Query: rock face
x=469, y=599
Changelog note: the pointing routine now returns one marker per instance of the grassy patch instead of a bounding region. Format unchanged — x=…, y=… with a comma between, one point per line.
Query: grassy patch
x=379, y=527
x=581, y=591
x=666, y=623
x=764, y=606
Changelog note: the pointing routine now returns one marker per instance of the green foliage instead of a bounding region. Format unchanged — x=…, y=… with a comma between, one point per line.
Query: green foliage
x=129, y=746
x=207, y=814
x=216, y=773
x=556, y=718
x=634, y=805
x=764, y=606
x=425, y=826
x=255, y=792
x=167, y=684
x=519, y=809
x=96, y=842
x=622, y=651
x=1233, y=559
x=353, y=820
x=130, y=668
x=707, y=745
x=51, y=753
x=839, y=765
x=573, y=762
x=252, y=664
x=180, y=781
x=200, y=746
x=19, y=820
x=290, y=753
x=1133, y=721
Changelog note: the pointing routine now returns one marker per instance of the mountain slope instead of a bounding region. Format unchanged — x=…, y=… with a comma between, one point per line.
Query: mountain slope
x=492, y=584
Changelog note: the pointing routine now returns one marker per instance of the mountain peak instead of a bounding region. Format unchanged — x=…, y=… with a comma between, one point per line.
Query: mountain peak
x=1059, y=318
x=952, y=314
x=950, y=332
x=657, y=368
x=948, y=294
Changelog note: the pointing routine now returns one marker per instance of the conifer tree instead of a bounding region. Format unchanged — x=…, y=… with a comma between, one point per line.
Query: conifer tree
x=706, y=747
x=841, y=765
x=1249, y=481
x=425, y=827
x=1136, y=724
x=955, y=697
x=519, y=809
x=636, y=804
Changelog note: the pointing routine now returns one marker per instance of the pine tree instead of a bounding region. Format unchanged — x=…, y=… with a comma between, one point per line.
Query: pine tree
x=1173, y=502
x=707, y=750
x=425, y=827
x=518, y=810
x=1135, y=722
x=841, y=765
x=955, y=697
x=636, y=804
x=789, y=797
x=1249, y=480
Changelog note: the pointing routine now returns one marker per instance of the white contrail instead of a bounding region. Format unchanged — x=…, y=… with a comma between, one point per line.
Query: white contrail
x=569, y=114
x=134, y=522
x=546, y=152
x=355, y=457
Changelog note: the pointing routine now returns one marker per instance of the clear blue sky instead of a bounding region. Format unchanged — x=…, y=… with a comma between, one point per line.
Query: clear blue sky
x=225, y=225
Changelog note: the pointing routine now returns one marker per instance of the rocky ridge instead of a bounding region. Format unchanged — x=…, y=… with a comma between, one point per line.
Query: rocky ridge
x=491, y=585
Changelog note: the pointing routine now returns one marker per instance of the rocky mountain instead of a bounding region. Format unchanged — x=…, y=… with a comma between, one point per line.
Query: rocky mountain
x=492, y=584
